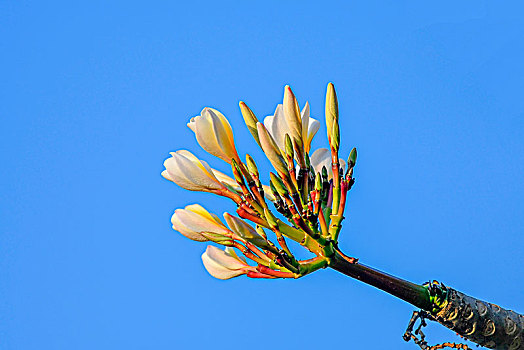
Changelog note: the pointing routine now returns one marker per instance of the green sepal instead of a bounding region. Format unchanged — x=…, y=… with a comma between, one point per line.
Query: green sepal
x=278, y=184
x=270, y=218
x=289, y=147
x=352, y=160
x=218, y=238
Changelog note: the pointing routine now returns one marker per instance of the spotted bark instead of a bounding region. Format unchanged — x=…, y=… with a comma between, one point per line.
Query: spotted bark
x=484, y=323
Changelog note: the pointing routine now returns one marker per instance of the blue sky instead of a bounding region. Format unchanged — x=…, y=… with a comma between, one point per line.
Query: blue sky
x=95, y=95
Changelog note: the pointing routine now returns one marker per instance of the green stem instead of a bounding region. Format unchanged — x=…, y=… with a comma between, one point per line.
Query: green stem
x=414, y=294
x=311, y=265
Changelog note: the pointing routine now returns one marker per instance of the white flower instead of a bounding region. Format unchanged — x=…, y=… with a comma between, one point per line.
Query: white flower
x=278, y=124
x=224, y=264
x=322, y=158
x=194, y=220
x=214, y=134
x=191, y=173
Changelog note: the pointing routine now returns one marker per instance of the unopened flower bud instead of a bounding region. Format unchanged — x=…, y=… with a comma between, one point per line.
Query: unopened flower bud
x=324, y=174
x=271, y=149
x=318, y=182
x=273, y=189
x=237, y=172
x=270, y=218
x=251, y=121
x=251, y=166
x=194, y=220
x=299, y=153
x=331, y=108
x=292, y=115
x=214, y=134
x=279, y=185
x=352, y=160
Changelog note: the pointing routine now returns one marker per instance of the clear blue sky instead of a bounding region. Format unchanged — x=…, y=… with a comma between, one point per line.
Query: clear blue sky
x=94, y=96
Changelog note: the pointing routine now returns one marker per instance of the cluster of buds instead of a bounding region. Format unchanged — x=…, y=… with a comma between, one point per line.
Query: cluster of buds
x=304, y=200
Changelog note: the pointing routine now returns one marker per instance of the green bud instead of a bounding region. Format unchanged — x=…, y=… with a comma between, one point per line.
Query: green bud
x=251, y=121
x=260, y=231
x=271, y=219
x=237, y=172
x=251, y=165
x=273, y=265
x=292, y=117
x=279, y=185
x=289, y=147
x=331, y=108
x=352, y=160
x=324, y=174
x=273, y=189
x=318, y=182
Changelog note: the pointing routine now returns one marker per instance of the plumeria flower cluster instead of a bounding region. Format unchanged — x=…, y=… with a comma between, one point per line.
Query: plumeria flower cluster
x=304, y=200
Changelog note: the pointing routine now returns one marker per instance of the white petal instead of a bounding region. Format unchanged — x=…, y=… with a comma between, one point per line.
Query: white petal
x=305, y=121
x=223, y=133
x=342, y=163
x=313, y=127
x=191, y=175
x=198, y=162
x=198, y=209
x=198, y=223
x=322, y=157
x=175, y=174
x=277, y=127
x=222, y=258
x=180, y=227
x=166, y=175
x=191, y=124
x=218, y=271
